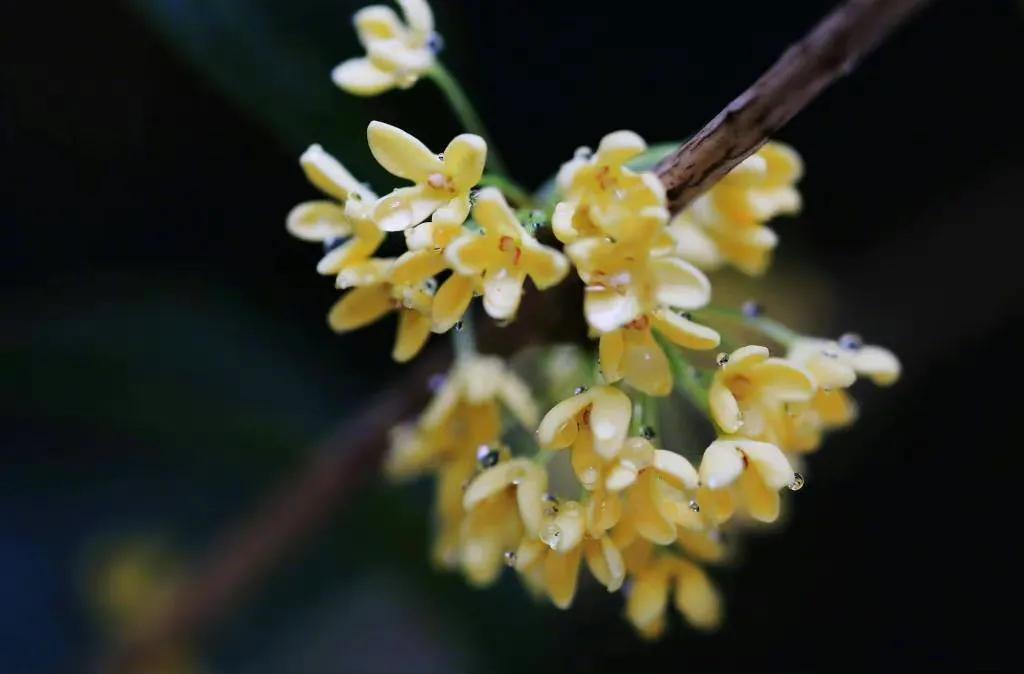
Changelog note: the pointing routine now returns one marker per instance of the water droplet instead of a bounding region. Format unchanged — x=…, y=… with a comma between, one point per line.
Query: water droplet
x=458, y=326
x=686, y=314
x=435, y=43
x=752, y=309
x=829, y=352
x=510, y=558
x=647, y=432
x=722, y=359
x=430, y=284
x=798, y=482
x=851, y=341
x=550, y=505
x=550, y=535
x=486, y=456
x=583, y=152
x=332, y=242
x=578, y=390
x=694, y=506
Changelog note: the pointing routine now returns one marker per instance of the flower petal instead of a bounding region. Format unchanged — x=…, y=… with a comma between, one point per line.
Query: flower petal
x=318, y=221
x=359, y=307
x=684, y=332
x=605, y=562
x=760, y=502
x=405, y=207
x=413, y=331
x=546, y=266
x=783, y=380
x=647, y=518
x=502, y=294
x=451, y=301
x=744, y=358
x=464, y=160
x=419, y=18
x=696, y=598
x=470, y=254
x=357, y=249
x=401, y=153
x=877, y=363
x=495, y=479
x=648, y=599
x=675, y=468
x=530, y=497
x=610, y=351
x=360, y=77
x=645, y=366
x=328, y=175
x=606, y=309
x=609, y=419
x=721, y=465
x=416, y=266
x=560, y=576
x=618, y=147
x=680, y=284
x=377, y=22
x=558, y=418
x=769, y=461
x=725, y=410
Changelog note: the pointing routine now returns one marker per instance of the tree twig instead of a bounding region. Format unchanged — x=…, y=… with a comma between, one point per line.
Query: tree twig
x=829, y=51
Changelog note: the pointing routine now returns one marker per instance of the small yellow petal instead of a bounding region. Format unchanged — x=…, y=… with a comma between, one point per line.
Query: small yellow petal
x=451, y=301
x=318, y=221
x=502, y=294
x=401, y=153
x=359, y=76
x=696, y=598
x=877, y=363
x=464, y=160
x=359, y=307
x=611, y=347
x=648, y=599
x=561, y=572
x=416, y=266
x=783, y=380
x=413, y=331
x=676, y=469
x=684, y=332
x=680, y=284
x=721, y=464
x=327, y=174
x=618, y=147
x=552, y=429
x=609, y=419
x=725, y=410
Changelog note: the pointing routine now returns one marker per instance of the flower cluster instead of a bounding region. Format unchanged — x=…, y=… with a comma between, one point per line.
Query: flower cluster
x=595, y=481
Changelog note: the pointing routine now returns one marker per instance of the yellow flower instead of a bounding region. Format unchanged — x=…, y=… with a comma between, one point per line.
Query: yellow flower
x=632, y=354
x=663, y=498
x=746, y=473
x=326, y=221
x=653, y=577
x=604, y=198
x=464, y=414
x=502, y=255
x=373, y=296
x=749, y=389
x=550, y=562
x=397, y=53
x=595, y=420
x=502, y=504
x=623, y=282
x=726, y=224
x=834, y=366
x=441, y=183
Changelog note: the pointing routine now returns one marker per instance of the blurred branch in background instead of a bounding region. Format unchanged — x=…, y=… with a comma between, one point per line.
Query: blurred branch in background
x=831, y=49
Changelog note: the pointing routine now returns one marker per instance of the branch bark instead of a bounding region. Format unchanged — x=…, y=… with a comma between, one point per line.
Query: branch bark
x=829, y=51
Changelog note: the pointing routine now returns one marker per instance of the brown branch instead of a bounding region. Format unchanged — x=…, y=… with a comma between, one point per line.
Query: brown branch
x=829, y=51
x=247, y=553
x=338, y=467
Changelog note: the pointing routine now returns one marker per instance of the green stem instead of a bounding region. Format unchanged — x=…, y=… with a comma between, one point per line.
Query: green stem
x=466, y=113
x=512, y=189
x=766, y=326
x=543, y=456
x=686, y=375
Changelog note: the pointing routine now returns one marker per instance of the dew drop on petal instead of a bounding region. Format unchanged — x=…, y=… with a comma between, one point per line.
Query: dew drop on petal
x=694, y=506
x=851, y=341
x=647, y=432
x=510, y=558
x=458, y=326
x=435, y=44
x=722, y=359
x=579, y=389
x=798, y=482
x=487, y=456
x=752, y=309
x=550, y=535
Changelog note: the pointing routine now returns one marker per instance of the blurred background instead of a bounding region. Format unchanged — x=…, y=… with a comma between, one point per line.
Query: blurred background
x=166, y=364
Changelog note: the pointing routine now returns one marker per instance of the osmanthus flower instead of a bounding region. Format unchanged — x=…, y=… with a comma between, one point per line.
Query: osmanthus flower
x=464, y=415
x=631, y=353
x=624, y=282
x=602, y=197
x=834, y=366
x=750, y=388
x=595, y=420
x=441, y=183
x=663, y=499
x=726, y=224
x=502, y=504
x=397, y=53
x=739, y=473
x=373, y=296
x=655, y=575
x=347, y=219
x=500, y=256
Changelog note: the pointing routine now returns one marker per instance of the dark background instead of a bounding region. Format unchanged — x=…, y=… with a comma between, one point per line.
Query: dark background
x=165, y=361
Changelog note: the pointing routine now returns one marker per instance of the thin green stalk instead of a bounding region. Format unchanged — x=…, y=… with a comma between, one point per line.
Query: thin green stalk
x=686, y=375
x=466, y=113
x=766, y=326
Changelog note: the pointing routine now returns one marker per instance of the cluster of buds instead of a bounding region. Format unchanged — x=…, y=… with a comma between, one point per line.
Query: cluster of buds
x=645, y=512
